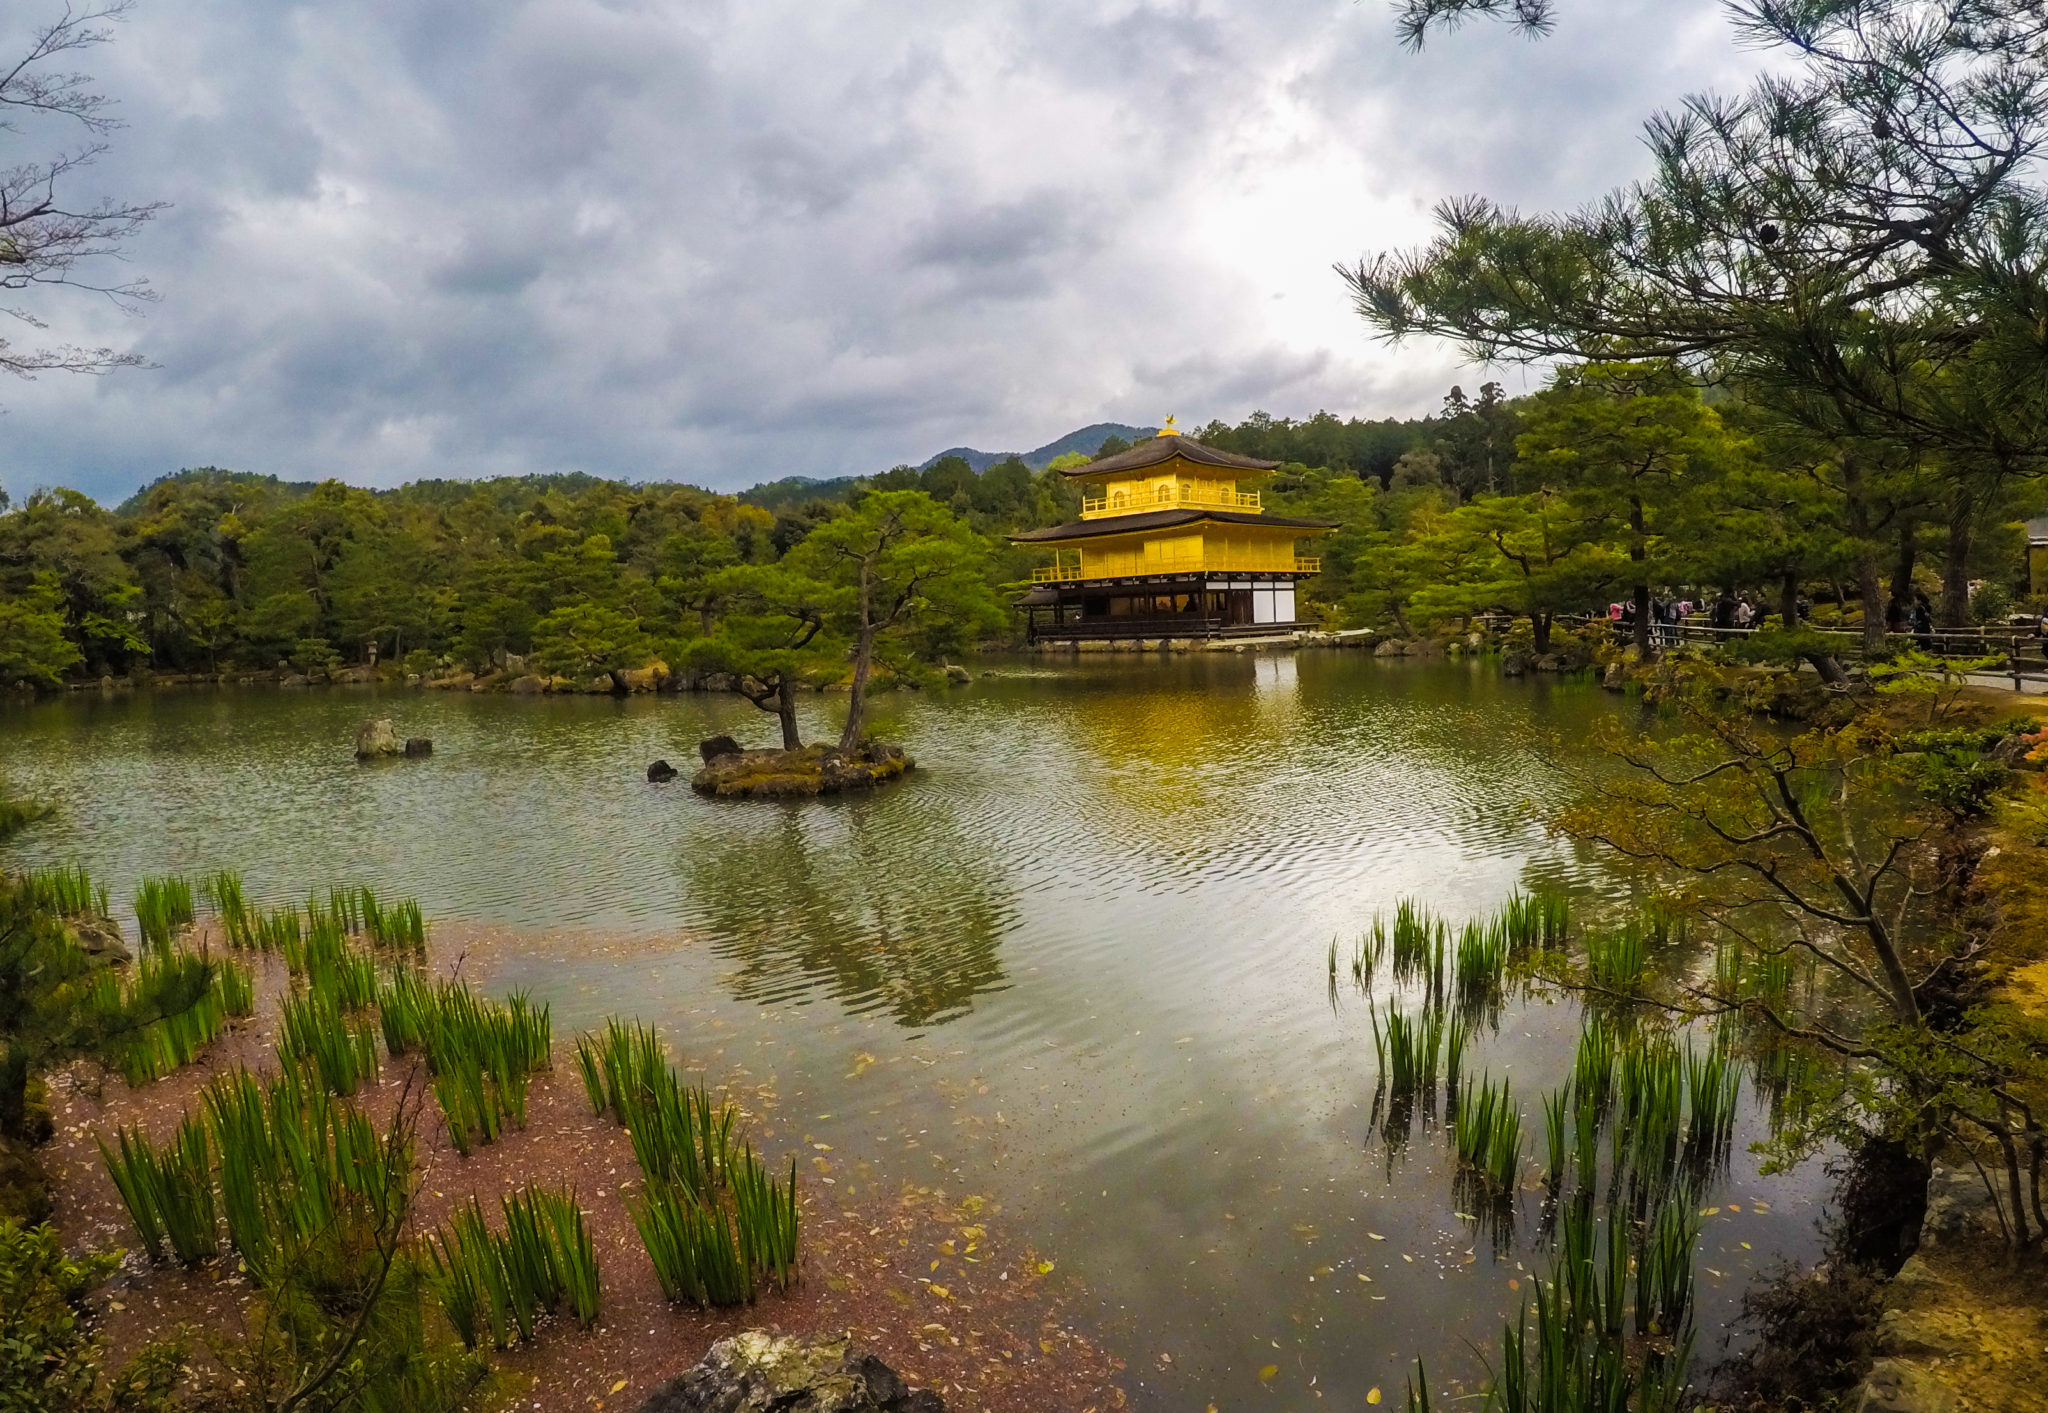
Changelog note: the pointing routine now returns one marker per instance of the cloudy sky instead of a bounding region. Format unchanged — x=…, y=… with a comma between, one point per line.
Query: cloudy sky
x=725, y=242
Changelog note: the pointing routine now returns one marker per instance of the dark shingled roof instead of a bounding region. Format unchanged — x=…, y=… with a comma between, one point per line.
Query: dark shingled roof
x=1161, y=520
x=1165, y=448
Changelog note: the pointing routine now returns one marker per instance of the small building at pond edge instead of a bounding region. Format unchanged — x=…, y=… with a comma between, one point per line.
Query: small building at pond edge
x=1169, y=545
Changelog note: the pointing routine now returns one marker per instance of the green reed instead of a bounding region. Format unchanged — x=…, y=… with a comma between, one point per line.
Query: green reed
x=1479, y=964
x=495, y=1285
x=182, y=990
x=1418, y=1389
x=696, y=1256
x=163, y=908
x=1592, y=1079
x=1713, y=1091
x=1557, y=1135
x=342, y=1049
x=68, y=892
x=237, y=989
x=1616, y=960
x=168, y=1192
x=766, y=1217
x=480, y=1052
x=1487, y=1135
x=1368, y=953
x=715, y=1222
x=1409, y=1050
x=1419, y=946
x=301, y=1176
x=279, y=931
x=222, y=892
x=1536, y=920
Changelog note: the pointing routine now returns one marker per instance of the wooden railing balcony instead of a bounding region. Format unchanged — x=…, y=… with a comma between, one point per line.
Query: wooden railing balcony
x=1165, y=498
x=1177, y=564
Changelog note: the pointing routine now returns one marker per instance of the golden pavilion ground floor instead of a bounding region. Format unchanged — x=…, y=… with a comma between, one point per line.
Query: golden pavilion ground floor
x=1163, y=606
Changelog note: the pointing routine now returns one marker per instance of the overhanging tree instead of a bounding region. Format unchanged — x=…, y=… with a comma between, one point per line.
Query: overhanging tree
x=46, y=237
x=1857, y=247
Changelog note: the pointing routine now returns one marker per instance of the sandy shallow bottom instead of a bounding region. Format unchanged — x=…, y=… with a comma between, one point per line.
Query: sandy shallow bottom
x=923, y=1274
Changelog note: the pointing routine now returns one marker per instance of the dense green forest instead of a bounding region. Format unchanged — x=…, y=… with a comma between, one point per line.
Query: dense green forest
x=1618, y=479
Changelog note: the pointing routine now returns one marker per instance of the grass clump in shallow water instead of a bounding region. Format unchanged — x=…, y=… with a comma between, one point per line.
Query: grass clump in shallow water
x=168, y=1193
x=495, y=1285
x=715, y=1223
x=163, y=909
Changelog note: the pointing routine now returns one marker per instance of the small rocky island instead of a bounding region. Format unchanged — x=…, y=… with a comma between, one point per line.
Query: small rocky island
x=734, y=772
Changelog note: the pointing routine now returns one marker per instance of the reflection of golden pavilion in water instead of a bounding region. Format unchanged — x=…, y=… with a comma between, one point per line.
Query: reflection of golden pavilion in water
x=1168, y=546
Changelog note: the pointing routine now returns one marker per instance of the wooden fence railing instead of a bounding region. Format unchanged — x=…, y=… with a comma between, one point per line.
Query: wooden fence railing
x=2023, y=656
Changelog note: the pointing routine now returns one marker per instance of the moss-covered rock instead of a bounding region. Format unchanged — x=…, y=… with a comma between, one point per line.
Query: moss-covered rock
x=814, y=770
x=758, y=1372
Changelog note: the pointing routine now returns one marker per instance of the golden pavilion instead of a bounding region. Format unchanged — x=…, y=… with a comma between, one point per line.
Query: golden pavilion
x=1169, y=545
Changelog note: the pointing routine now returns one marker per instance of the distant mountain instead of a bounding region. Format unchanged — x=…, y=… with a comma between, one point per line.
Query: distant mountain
x=1086, y=440
x=797, y=490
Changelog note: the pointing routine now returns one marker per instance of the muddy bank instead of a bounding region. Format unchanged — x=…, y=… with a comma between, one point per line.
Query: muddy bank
x=923, y=1274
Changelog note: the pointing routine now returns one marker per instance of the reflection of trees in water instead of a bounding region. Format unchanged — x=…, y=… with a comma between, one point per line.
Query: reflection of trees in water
x=895, y=909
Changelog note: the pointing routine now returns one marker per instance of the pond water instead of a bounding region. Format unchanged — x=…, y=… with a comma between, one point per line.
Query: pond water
x=1077, y=963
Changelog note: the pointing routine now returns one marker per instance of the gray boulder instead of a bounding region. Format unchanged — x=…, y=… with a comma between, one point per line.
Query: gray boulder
x=958, y=675
x=661, y=771
x=756, y=1372
x=1895, y=1386
x=1959, y=1209
x=528, y=685
x=100, y=939
x=1614, y=678
x=377, y=739
x=712, y=747
x=419, y=745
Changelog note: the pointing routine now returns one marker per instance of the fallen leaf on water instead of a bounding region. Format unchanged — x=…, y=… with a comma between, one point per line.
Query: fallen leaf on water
x=1373, y=1394
x=1266, y=1374
x=1514, y=1284
x=1045, y=1268
x=1709, y=1211
x=619, y=1385
x=942, y=1292
x=1364, y=1277
x=1375, y=1236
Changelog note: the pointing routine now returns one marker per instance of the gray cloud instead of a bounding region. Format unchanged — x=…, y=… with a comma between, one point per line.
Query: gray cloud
x=723, y=242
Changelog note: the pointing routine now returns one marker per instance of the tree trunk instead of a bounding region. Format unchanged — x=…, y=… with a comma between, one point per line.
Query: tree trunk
x=1902, y=581
x=13, y=1092
x=1637, y=554
x=1955, y=567
x=1539, y=623
x=1788, y=600
x=857, y=700
x=1830, y=671
x=1857, y=516
x=785, y=708
x=1400, y=619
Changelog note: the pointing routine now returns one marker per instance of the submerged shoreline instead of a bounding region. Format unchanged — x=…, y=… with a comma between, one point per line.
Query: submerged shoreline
x=988, y=1330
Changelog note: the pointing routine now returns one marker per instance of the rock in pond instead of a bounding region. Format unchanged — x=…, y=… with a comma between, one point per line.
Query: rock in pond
x=661, y=771
x=712, y=747
x=814, y=770
x=378, y=738
x=756, y=1372
x=419, y=745
x=100, y=939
